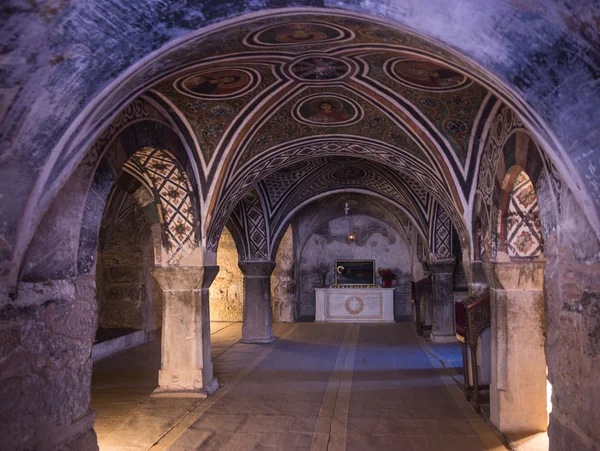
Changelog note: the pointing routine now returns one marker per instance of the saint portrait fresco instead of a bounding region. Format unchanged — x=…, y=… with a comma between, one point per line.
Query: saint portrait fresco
x=327, y=110
x=427, y=75
x=295, y=33
x=216, y=83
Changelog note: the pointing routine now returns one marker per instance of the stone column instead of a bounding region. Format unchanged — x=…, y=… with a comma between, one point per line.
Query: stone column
x=257, y=326
x=46, y=336
x=442, y=330
x=185, y=356
x=518, y=385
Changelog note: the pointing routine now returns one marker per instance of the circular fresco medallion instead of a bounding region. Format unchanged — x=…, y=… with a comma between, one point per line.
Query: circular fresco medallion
x=327, y=110
x=348, y=173
x=319, y=68
x=298, y=33
x=217, y=83
x=426, y=75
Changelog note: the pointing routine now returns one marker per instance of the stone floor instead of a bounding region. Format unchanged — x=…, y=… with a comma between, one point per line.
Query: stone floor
x=318, y=387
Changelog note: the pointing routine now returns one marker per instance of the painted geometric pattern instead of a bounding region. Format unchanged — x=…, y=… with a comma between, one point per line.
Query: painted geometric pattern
x=279, y=183
x=160, y=173
x=392, y=158
x=249, y=213
x=373, y=180
x=522, y=224
x=442, y=234
x=501, y=127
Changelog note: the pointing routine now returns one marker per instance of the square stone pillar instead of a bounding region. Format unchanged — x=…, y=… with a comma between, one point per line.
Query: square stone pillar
x=518, y=382
x=442, y=330
x=257, y=327
x=186, y=365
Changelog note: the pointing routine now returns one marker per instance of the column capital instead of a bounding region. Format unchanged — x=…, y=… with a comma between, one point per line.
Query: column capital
x=184, y=278
x=257, y=268
x=515, y=275
x=442, y=266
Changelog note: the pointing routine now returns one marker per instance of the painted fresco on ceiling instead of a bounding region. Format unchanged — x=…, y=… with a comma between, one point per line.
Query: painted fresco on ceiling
x=298, y=33
x=435, y=90
x=339, y=78
x=215, y=84
x=452, y=110
x=360, y=119
x=426, y=75
x=320, y=68
x=319, y=176
x=211, y=118
x=327, y=110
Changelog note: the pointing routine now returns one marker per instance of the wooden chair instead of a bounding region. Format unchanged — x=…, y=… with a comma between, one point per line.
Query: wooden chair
x=472, y=316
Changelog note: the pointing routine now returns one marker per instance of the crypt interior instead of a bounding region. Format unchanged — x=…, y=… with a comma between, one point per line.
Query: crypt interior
x=356, y=226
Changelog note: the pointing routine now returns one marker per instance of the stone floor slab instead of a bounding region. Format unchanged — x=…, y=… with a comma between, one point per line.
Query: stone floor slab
x=319, y=387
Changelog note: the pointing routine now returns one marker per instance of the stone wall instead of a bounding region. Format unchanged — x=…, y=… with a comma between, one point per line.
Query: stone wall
x=572, y=292
x=46, y=336
x=375, y=240
x=227, y=290
x=283, y=285
x=128, y=296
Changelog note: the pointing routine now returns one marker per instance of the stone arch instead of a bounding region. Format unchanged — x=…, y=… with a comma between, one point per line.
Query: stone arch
x=227, y=290
x=69, y=250
x=279, y=229
x=161, y=174
x=129, y=239
x=530, y=35
x=102, y=107
x=513, y=167
x=508, y=145
x=278, y=157
x=519, y=164
x=250, y=227
x=520, y=233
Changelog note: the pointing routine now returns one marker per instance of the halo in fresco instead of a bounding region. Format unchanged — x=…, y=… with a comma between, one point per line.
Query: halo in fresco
x=298, y=33
x=327, y=110
x=217, y=83
x=319, y=68
x=426, y=75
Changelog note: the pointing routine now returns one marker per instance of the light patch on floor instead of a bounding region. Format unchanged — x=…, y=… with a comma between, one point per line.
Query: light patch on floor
x=318, y=387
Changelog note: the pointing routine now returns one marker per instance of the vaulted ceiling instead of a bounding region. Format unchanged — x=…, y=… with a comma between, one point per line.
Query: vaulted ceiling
x=298, y=91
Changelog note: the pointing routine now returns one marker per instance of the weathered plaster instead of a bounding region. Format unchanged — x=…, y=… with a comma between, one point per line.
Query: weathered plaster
x=227, y=290
x=283, y=285
x=375, y=240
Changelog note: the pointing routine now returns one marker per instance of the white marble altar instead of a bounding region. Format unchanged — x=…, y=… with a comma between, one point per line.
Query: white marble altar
x=349, y=305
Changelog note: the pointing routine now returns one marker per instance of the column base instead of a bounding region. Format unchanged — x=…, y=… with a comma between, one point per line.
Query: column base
x=185, y=381
x=436, y=338
x=175, y=392
x=257, y=340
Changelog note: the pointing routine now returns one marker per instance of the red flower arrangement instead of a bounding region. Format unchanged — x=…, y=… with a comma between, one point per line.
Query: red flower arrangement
x=386, y=273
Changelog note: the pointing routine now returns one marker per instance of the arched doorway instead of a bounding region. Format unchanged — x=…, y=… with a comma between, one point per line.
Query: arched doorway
x=218, y=181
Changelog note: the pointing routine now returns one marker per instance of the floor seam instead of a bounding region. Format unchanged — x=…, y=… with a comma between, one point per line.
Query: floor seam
x=212, y=400
x=477, y=424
